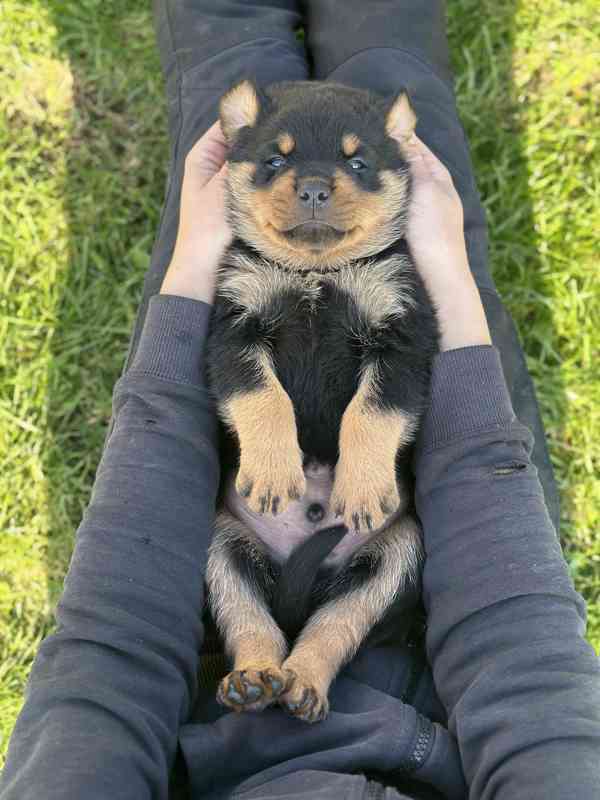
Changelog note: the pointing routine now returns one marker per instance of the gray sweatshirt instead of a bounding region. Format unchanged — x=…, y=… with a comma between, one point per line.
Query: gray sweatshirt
x=513, y=710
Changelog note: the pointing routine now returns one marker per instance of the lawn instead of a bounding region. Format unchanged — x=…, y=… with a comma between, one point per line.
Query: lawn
x=83, y=154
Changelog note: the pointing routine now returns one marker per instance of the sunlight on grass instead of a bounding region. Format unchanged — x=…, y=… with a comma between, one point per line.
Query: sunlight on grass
x=36, y=105
x=82, y=170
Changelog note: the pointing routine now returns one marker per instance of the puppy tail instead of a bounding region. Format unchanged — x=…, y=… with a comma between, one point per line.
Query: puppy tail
x=292, y=593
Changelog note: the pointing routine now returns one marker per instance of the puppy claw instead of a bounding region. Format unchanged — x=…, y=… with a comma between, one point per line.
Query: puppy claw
x=363, y=506
x=276, y=486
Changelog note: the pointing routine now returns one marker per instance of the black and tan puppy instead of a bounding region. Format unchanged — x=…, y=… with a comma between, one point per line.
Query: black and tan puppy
x=319, y=359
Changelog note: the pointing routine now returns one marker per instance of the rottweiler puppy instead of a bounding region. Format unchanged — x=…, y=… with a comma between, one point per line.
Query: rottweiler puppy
x=319, y=358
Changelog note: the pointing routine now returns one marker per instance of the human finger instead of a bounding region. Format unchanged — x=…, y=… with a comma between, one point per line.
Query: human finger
x=208, y=154
x=424, y=162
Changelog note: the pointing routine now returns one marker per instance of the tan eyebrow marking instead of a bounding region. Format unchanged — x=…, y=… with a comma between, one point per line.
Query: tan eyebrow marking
x=286, y=143
x=350, y=144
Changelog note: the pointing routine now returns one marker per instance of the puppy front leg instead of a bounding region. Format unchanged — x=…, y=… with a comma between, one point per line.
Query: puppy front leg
x=386, y=565
x=270, y=472
x=365, y=490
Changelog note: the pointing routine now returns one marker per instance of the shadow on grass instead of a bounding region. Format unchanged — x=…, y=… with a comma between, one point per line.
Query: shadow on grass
x=114, y=188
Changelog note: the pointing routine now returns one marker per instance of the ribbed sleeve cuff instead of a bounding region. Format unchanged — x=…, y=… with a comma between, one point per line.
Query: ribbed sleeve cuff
x=173, y=338
x=468, y=396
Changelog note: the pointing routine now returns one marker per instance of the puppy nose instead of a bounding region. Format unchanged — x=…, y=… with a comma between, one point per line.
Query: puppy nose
x=314, y=192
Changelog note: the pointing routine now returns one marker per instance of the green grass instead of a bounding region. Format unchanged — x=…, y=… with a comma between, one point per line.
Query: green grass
x=83, y=154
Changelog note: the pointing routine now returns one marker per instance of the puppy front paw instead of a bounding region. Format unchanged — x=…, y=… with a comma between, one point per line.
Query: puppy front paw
x=362, y=497
x=271, y=478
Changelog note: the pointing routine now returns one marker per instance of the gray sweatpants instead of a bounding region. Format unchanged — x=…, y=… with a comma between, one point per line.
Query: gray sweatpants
x=206, y=46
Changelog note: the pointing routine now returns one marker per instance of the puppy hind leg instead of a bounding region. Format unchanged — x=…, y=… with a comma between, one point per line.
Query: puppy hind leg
x=386, y=565
x=240, y=577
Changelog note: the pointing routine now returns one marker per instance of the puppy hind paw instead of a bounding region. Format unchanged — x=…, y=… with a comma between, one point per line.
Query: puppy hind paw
x=303, y=701
x=251, y=689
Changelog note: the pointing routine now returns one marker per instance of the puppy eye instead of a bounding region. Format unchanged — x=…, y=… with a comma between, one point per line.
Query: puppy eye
x=276, y=162
x=357, y=164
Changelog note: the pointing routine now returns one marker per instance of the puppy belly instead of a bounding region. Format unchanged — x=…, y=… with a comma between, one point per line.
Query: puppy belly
x=301, y=519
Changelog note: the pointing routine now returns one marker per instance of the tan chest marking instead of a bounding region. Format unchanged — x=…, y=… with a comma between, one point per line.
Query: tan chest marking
x=254, y=283
x=376, y=287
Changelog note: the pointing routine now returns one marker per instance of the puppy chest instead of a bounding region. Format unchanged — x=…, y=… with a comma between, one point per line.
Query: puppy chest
x=317, y=330
x=317, y=361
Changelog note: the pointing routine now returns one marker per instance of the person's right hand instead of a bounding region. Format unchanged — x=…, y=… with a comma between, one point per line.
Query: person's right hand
x=436, y=240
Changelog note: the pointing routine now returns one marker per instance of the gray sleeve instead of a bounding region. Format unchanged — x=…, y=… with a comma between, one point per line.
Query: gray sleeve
x=109, y=690
x=505, y=626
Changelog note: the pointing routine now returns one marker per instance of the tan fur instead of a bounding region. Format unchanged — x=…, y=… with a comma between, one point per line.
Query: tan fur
x=270, y=472
x=239, y=177
x=401, y=119
x=378, y=219
x=377, y=289
x=239, y=108
x=350, y=144
x=250, y=634
x=334, y=633
x=286, y=143
x=364, y=488
x=252, y=284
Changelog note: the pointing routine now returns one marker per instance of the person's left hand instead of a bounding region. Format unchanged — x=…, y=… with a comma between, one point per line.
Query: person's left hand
x=203, y=233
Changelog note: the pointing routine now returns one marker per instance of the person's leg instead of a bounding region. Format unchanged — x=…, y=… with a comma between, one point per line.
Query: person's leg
x=392, y=44
x=206, y=46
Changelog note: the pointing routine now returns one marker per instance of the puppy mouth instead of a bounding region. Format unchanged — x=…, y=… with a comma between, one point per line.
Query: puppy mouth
x=314, y=233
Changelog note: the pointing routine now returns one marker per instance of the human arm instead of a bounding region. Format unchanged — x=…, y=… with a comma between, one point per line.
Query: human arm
x=110, y=689
x=505, y=627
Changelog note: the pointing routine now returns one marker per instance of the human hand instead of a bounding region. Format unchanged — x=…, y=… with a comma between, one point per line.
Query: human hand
x=203, y=233
x=436, y=240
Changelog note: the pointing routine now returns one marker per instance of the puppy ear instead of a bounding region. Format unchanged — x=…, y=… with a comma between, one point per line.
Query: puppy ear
x=400, y=119
x=239, y=108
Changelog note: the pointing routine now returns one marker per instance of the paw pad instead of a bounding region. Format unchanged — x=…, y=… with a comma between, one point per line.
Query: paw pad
x=250, y=690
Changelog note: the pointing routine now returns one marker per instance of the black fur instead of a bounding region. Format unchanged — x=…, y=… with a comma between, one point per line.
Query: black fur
x=293, y=593
x=292, y=106
x=253, y=566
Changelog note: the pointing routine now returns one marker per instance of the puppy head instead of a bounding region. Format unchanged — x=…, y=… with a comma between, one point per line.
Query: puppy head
x=316, y=173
